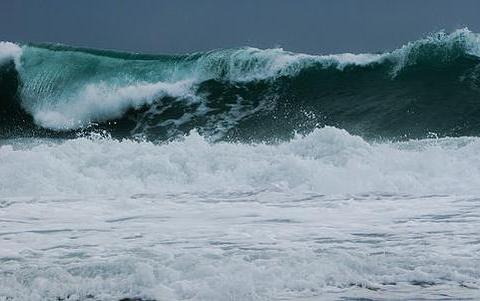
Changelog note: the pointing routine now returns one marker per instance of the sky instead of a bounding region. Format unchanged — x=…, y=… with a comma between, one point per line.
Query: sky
x=179, y=26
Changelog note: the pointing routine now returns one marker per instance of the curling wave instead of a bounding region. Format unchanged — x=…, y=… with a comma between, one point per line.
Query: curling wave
x=427, y=87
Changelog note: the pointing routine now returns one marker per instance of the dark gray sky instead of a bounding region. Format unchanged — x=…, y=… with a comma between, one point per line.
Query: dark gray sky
x=312, y=26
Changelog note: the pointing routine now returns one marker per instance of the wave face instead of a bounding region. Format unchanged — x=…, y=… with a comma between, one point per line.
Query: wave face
x=427, y=87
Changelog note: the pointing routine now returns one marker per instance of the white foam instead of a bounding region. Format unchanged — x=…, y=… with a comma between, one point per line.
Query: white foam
x=9, y=51
x=248, y=245
x=250, y=63
x=101, y=101
x=326, y=161
x=345, y=59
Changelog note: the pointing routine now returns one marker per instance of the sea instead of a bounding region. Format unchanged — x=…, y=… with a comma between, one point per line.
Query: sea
x=241, y=174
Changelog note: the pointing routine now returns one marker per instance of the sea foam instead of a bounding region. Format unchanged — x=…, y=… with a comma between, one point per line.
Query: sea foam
x=326, y=161
x=9, y=51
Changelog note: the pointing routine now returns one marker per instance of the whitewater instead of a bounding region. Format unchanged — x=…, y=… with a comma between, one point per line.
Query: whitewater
x=241, y=174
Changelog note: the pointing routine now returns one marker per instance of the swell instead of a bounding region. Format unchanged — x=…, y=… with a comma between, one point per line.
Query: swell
x=427, y=87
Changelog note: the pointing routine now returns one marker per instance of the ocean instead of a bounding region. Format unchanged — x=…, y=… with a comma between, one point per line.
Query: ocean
x=241, y=174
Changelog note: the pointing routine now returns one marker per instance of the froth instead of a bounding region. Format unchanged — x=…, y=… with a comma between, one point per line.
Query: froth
x=9, y=51
x=327, y=161
x=101, y=101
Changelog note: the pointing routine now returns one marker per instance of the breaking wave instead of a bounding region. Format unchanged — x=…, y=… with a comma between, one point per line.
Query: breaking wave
x=427, y=86
x=240, y=174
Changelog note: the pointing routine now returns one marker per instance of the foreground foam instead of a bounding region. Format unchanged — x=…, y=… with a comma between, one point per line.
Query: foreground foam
x=327, y=161
x=250, y=246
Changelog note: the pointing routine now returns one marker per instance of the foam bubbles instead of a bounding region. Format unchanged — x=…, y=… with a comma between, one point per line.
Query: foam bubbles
x=218, y=245
x=9, y=51
x=327, y=161
x=101, y=101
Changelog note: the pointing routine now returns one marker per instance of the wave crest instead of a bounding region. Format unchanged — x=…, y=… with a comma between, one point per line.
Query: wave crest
x=403, y=93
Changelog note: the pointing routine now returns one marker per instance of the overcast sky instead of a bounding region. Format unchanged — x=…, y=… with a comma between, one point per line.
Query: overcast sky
x=311, y=26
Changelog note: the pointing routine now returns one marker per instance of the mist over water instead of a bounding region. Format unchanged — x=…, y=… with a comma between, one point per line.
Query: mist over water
x=240, y=174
